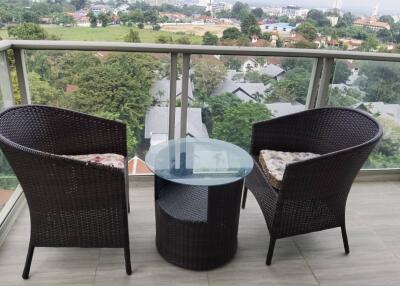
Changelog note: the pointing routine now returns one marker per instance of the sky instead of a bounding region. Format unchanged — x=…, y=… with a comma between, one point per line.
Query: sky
x=360, y=6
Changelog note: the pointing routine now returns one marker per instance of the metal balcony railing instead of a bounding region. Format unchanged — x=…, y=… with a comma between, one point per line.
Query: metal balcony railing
x=322, y=72
x=321, y=77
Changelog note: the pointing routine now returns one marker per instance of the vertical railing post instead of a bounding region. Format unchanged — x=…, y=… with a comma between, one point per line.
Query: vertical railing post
x=6, y=89
x=185, y=92
x=22, y=75
x=326, y=76
x=314, y=83
x=172, y=96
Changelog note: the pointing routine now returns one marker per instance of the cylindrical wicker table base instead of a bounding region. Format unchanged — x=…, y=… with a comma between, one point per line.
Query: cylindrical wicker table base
x=196, y=226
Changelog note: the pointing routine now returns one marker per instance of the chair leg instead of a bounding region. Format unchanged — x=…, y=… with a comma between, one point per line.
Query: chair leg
x=244, y=197
x=270, y=250
x=345, y=241
x=25, y=274
x=127, y=255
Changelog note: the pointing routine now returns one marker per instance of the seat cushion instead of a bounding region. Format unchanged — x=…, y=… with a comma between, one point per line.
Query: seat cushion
x=108, y=159
x=274, y=163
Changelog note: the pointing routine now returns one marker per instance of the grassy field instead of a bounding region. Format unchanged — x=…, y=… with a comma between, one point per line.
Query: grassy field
x=198, y=30
x=110, y=33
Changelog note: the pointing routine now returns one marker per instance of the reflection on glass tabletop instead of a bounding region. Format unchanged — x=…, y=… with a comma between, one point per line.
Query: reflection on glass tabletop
x=201, y=162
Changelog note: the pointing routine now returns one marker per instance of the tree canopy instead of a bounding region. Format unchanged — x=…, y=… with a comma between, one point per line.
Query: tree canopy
x=27, y=31
x=249, y=26
x=207, y=74
x=308, y=30
x=231, y=33
x=210, y=39
x=235, y=124
x=132, y=37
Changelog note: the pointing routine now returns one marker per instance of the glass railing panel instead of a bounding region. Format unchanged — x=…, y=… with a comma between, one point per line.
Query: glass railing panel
x=372, y=87
x=233, y=92
x=129, y=87
x=8, y=181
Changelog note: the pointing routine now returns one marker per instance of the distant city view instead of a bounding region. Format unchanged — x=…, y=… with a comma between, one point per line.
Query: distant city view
x=226, y=93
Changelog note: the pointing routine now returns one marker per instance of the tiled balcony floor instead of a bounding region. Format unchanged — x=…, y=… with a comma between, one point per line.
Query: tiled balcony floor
x=373, y=219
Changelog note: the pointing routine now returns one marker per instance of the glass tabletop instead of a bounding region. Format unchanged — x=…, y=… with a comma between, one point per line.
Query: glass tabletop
x=200, y=162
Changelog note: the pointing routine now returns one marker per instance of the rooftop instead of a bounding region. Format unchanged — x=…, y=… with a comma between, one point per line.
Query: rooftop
x=312, y=259
x=156, y=123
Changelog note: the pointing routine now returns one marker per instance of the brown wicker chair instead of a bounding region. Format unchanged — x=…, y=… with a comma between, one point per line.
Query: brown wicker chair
x=314, y=192
x=71, y=203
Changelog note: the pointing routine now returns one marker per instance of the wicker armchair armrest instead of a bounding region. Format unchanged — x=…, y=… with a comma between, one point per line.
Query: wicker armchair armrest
x=324, y=175
x=71, y=183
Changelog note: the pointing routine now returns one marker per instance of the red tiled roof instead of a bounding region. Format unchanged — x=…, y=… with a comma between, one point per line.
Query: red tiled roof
x=274, y=60
x=372, y=23
x=71, y=88
x=4, y=196
x=137, y=166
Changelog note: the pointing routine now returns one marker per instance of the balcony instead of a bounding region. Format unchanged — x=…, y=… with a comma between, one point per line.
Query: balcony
x=313, y=259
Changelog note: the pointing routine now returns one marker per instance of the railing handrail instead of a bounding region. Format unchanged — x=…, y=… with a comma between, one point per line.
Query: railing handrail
x=194, y=49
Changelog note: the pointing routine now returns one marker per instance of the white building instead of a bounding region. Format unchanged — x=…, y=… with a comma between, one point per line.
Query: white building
x=293, y=11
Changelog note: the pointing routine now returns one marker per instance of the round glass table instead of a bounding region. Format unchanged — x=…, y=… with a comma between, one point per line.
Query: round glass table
x=198, y=186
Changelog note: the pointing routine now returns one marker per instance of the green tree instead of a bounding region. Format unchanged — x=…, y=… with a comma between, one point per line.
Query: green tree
x=291, y=63
x=292, y=88
x=210, y=39
x=27, y=16
x=266, y=36
x=308, y=30
x=346, y=98
x=117, y=88
x=215, y=107
x=305, y=45
x=318, y=17
x=342, y=72
x=233, y=63
x=79, y=4
x=235, y=124
x=239, y=9
x=249, y=26
x=27, y=31
x=43, y=93
x=370, y=44
x=207, y=74
x=132, y=37
x=164, y=39
x=346, y=20
x=380, y=81
x=184, y=40
x=65, y=19
x=258, y=13
x=92, y=20
x=137, y=16
x=283, y=19
x=243, y=41
x=385, y=35
x=231, y=33
x=104, y=19
x=219, y=104
x=151, y=17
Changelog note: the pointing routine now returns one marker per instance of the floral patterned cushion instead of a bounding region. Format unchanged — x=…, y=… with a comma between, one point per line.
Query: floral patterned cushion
x=274, y=163
x=108, y=159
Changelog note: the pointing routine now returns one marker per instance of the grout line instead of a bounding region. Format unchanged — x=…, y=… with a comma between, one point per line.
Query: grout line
x=305, y=260
x=208, y=279
x=97, y=265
